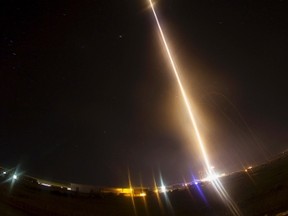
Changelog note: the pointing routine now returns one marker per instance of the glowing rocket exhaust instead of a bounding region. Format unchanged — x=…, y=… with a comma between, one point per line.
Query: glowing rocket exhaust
x=188, y=106
x=216, y=183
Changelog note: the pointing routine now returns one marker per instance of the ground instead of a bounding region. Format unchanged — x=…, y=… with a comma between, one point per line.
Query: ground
x=263, y=190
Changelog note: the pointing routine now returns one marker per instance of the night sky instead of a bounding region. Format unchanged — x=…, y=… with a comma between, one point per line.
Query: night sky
x=87, y=90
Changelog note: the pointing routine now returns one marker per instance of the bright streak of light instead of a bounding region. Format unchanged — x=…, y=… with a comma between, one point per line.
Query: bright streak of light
x=225, y=197
x=132, y=193
x=199, y=189
x=157, y=195
x=188, y=106
x=15, y=177
x=216, y=183
x=143, y=195
x=164, y=190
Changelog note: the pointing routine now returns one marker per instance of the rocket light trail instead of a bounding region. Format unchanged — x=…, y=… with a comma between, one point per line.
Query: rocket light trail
x=187, y=104
x=216, y=183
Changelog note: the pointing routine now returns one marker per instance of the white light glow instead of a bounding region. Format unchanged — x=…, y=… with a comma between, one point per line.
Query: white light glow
x=211, y=177
x=46, y=185
x=163, y=189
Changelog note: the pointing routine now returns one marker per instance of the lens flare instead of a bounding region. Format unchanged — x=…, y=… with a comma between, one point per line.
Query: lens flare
x=216, y=183
x=132, y=193
x=164, y=191
x=158, y=196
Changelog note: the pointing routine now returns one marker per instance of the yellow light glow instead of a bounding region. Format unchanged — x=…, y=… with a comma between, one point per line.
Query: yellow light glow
x=127, y=190
x=142, y=194
x=131, y=193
